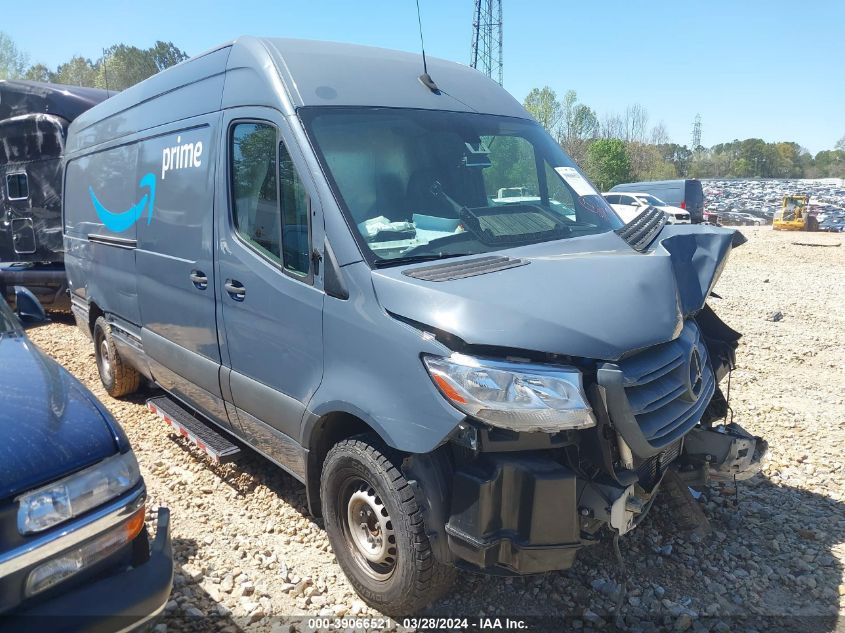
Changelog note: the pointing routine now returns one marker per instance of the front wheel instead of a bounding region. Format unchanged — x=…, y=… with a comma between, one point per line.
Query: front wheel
x=376, y=529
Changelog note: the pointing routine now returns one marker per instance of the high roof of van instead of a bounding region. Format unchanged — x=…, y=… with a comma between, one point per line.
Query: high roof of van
x=288, y=74
x=330, y=73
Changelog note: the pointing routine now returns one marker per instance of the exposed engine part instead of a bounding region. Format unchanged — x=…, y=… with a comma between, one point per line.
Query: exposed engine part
x=729, y=451
x=621, y=508
x=626, y=458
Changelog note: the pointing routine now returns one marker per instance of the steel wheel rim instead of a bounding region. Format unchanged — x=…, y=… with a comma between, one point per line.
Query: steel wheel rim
x=105, y=363
x=369, y=530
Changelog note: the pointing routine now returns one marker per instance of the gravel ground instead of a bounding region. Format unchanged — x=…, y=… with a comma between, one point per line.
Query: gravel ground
x=246, y=549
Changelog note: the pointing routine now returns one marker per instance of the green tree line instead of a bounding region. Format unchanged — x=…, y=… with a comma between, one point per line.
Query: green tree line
x=624, y=147
x=119, y=67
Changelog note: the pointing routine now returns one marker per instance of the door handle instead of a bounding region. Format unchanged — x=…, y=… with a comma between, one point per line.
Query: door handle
x=235, y=289
x=199, y=279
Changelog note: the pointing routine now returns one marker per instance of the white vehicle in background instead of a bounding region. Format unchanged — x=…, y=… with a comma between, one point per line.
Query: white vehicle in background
x=630, y=204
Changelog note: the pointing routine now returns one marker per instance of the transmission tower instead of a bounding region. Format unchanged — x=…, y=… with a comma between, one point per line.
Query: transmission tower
x=696, y=133
x=487, y=38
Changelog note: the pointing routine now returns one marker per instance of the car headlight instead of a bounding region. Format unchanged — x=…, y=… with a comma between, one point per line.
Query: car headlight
x=72, y=562
x=516, y=396
x=72, y=496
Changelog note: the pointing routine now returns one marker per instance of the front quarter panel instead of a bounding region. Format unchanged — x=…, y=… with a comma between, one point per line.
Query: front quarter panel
x=373, y=370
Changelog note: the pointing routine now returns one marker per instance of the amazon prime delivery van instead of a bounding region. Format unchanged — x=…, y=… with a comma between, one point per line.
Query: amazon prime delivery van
x=304, y=246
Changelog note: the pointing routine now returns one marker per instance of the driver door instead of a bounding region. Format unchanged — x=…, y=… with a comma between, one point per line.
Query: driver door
x=271, y=298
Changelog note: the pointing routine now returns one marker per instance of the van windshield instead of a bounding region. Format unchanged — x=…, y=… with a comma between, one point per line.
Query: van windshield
x=428, y=184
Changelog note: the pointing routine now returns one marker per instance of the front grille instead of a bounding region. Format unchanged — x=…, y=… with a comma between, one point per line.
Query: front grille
x=662, y=389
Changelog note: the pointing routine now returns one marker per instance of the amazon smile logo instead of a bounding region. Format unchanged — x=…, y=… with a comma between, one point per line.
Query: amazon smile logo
x=123, y=220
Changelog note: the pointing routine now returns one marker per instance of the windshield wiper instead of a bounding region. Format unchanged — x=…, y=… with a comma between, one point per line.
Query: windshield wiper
x=414, y=259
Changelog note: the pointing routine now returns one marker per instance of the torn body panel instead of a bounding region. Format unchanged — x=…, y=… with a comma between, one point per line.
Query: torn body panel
x=592, y=289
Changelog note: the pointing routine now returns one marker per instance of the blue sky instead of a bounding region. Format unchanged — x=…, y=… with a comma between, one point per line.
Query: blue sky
x=770, y=69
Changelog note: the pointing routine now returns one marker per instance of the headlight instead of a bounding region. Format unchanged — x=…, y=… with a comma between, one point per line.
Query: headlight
x=70, y=563
x=72, y=496
x=521, y=397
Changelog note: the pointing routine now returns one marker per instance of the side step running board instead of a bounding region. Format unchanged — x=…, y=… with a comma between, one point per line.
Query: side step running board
x=217, y=447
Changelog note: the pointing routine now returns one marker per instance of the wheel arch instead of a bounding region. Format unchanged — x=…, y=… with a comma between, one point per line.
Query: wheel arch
x=320, y=434
x=94, y=313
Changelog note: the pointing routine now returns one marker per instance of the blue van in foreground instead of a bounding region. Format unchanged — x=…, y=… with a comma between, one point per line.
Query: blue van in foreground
x=74, y=551
x=306, y=246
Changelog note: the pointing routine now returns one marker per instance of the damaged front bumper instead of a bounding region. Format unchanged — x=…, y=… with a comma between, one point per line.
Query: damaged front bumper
x=527, y=513
x=514, y=514
x=509, y=503
x=723, y=453
x=517, y=506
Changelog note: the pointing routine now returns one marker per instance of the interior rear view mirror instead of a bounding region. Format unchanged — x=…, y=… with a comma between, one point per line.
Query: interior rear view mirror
x=478, y=157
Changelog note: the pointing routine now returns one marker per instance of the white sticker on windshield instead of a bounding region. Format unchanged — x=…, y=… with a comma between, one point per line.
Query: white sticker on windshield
x=576, y=181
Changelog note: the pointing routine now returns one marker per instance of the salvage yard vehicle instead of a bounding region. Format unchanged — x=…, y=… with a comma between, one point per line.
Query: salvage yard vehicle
x=630, y=205
x=327, y=269
x=832, y=225
x=685, y=193
x=34, y=118
x=794, y=215
x=74, y=552
x=750, y=219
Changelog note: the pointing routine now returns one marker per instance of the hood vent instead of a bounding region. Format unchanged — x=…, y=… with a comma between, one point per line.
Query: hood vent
x=463, y=269
x=641, y=231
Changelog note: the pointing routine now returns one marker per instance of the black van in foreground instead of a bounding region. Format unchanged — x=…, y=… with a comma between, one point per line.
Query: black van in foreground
x=74, y=550
x=684, y=193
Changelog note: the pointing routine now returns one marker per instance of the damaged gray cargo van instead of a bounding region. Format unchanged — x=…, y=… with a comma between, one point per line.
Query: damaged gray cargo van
x=303, y=244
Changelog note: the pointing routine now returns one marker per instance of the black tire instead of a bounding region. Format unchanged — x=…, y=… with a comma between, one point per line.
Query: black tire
x=364, y=468
x=118, y=377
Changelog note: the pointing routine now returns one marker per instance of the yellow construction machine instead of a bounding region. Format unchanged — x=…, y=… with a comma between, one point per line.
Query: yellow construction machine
x=794, y=215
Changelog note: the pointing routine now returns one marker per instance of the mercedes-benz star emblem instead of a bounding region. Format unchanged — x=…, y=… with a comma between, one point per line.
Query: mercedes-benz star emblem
x=696, y=374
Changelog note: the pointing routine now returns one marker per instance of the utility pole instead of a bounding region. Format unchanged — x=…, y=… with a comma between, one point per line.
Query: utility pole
x=696, y=133
x=486, y=53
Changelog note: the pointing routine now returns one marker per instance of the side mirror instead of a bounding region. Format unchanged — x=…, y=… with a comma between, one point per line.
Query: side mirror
x=29, y=310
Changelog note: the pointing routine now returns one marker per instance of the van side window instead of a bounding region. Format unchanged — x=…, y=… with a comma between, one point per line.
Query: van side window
x=254, y=198
x=295, y=207
x=17, y=187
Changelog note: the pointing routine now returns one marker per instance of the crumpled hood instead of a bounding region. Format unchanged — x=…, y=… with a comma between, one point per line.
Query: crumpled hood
x=50, y=424
x=590, y=297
